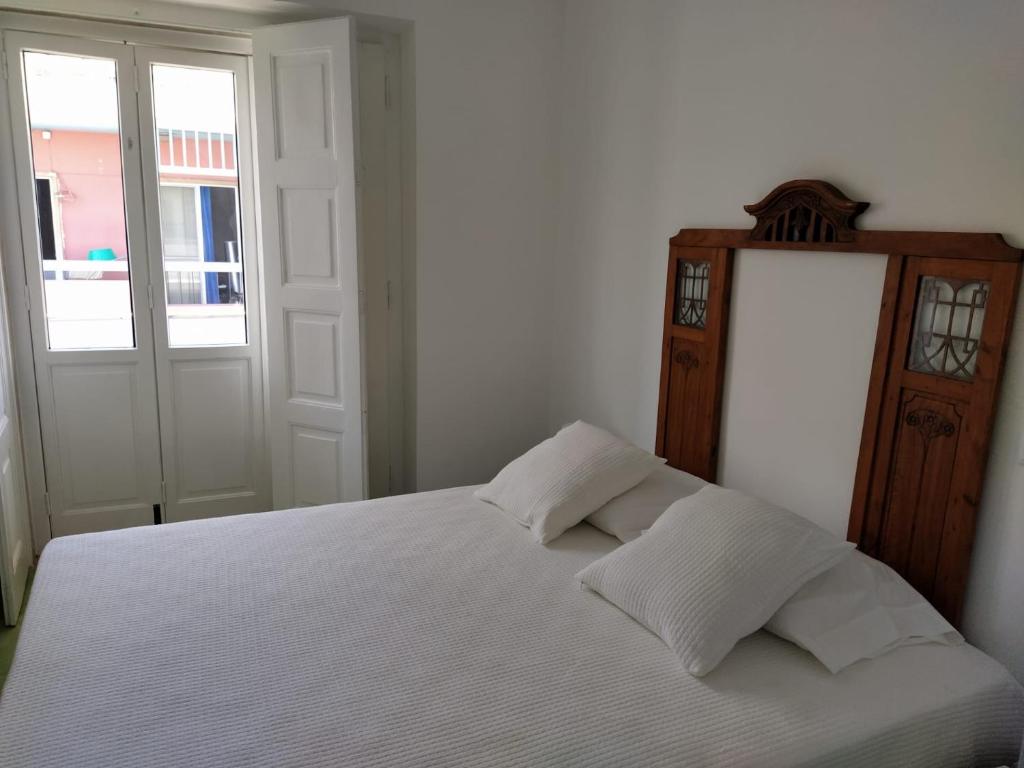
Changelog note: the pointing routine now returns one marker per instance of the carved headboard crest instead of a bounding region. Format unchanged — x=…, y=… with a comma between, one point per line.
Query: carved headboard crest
x=805, y=211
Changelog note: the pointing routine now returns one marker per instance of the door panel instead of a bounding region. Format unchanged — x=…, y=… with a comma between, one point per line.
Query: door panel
x=74, y=114
x=206, y=320
x=110, y=476
x=214, y=435
x=304, y=119
x=318, y=466
x=314, y=368
x=87, y=442
x=307, y=149
x=308, y=237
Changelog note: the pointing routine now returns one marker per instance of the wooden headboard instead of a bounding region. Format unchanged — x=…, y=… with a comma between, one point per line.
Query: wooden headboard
x=946, y=311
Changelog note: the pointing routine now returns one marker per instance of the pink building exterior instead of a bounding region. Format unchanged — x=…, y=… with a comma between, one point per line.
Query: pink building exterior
x=89, y=209
x=89, y=188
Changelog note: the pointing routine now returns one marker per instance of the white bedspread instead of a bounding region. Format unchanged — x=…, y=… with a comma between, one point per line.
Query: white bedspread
x=431, y=630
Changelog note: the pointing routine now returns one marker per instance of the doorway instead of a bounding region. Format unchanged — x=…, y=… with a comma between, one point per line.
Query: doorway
x=137, y=213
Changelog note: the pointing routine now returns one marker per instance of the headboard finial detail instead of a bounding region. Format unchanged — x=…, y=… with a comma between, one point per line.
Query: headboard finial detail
x=805, y=211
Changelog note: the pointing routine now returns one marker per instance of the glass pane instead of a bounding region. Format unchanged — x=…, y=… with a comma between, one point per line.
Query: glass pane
x=199, y=213
x=947, y=331
x=76, y=158
x=692, y=293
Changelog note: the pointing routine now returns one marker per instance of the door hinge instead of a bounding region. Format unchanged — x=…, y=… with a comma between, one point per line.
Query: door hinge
x=149, y=293
x=163, y=492
x=46, y=500
x=3, y=62
x=28, y=298
x=387, y=92
x=389, y=294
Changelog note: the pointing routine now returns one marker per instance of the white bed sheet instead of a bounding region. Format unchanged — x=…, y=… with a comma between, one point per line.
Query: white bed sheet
x=431, y=630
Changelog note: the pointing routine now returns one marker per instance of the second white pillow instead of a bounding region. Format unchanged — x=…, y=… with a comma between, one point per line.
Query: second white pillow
x=554, y=485
x=633, y=512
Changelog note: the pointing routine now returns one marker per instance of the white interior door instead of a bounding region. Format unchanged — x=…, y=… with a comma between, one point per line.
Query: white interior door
x=74, y=116
x=196, y=155
x=15, y=532
x=305, y=110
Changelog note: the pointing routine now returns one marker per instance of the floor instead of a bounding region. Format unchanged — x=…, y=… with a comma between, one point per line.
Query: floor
x=9, y=638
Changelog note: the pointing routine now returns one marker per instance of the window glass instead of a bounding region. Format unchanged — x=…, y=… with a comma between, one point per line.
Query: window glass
x=199, y=214
x=76, y=158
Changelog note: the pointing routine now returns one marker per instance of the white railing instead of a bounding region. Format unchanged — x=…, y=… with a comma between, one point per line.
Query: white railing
x=184, y=279
x=85, y=265
x=186, y=148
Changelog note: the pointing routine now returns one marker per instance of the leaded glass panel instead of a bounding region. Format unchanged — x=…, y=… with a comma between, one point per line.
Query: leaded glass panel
x=947, y=330
x=691, y=307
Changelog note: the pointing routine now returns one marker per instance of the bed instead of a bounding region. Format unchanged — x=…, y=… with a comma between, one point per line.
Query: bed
x=431, y=630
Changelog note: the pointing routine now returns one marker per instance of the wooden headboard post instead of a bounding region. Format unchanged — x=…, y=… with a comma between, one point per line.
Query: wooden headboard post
x=693, y=358
x=946, y=312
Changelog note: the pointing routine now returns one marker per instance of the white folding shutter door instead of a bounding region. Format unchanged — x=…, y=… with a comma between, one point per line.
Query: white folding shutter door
x=305, y=110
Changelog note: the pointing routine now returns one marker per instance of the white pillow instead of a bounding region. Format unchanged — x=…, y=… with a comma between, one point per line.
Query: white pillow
x=711, y=570
x=556, y=484
x=633, y=512
x=859, y=609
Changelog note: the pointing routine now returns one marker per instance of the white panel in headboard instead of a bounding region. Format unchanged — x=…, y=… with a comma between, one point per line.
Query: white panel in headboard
x=802, y=333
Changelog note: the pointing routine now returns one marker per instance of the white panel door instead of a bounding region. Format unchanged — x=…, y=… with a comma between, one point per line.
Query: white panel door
x=306, y=138
x=200, y=220
x=15, y=532
x=88, y=301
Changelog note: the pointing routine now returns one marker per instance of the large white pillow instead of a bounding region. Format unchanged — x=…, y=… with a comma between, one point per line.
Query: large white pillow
x=554, y=485
x=713, y=569
x=859, y=609
x=633, y=512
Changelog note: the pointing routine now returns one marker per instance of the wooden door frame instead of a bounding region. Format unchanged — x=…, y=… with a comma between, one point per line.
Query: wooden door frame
x=391, y=45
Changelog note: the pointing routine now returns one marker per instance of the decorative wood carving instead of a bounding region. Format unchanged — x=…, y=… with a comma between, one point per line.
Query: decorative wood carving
x=685, y=359
x=805, y=211
x=929, y=424
x=926, y=430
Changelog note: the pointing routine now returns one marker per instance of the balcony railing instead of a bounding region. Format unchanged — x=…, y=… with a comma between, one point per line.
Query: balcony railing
x=188, y=152
x=84, y=268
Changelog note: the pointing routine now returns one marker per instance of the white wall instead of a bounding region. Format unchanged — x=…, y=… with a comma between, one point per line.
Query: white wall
x=677, y=113
x=485, y=129
x=800, y=381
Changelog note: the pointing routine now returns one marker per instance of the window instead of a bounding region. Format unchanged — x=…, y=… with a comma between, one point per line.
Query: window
x=76, y=158
x=178, y=224
x=947, y=331
x=199, y=214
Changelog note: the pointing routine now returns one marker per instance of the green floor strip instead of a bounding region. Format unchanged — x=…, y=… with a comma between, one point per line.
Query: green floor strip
x=9, y=637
